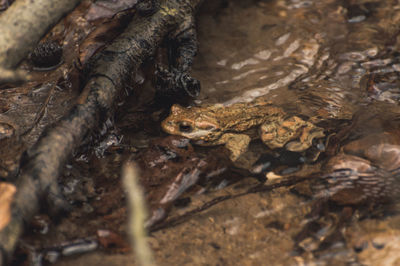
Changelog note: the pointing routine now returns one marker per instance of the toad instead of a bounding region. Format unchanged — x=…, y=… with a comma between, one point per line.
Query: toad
x=236, y=125
x=293, y=133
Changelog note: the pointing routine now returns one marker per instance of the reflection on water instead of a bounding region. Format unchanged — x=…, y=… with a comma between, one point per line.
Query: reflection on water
x=337, y=60
x=298, y=51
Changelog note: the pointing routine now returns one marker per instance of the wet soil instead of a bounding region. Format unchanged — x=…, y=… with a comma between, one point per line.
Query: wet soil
x=337, y=60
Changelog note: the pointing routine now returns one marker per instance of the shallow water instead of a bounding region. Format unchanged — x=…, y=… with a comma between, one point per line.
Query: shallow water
x=334, y=59
x=307, y=54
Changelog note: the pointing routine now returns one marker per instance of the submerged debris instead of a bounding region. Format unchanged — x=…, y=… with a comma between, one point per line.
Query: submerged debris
x=65, y=249
x=354, y=180
x=170, y=168
x=359, y=181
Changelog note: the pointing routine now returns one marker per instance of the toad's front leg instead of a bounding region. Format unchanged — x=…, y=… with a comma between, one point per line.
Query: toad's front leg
x=237, y=144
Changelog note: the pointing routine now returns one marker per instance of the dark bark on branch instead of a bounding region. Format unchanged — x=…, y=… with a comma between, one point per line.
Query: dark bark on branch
x=110, y=70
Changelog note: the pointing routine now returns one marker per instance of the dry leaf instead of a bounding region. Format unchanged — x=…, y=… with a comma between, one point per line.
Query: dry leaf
x=7, y=192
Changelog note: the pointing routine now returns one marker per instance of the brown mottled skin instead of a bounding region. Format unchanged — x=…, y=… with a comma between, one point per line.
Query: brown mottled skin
x=233, y=126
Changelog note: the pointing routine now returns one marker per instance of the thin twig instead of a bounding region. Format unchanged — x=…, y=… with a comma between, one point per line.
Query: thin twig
x=137, y=214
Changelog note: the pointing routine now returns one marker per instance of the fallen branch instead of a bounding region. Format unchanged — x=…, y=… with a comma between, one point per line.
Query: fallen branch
x=109, y=71
x=24, y=23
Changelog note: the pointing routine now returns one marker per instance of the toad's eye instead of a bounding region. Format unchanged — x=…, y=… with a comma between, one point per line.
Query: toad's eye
x=185, y=127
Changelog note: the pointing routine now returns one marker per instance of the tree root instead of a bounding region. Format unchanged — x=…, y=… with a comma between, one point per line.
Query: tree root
x=109, y=71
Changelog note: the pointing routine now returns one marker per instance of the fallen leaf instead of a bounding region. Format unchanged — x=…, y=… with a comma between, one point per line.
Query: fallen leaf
x=7, y=192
